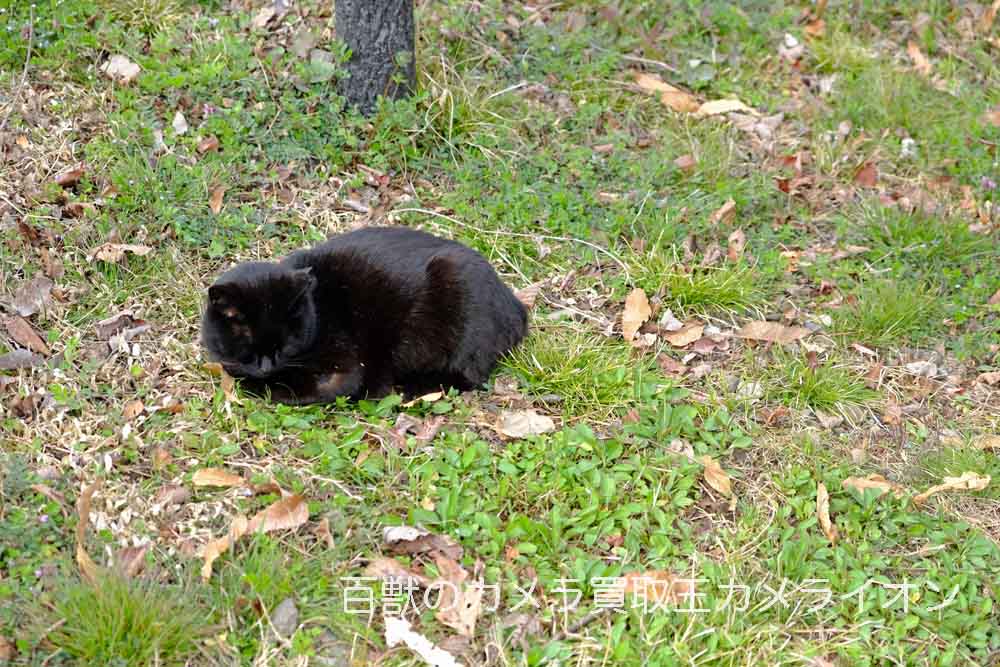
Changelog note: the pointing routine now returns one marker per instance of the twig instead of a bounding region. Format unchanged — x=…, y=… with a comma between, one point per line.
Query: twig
x=500, y=232
x=581, y=624
x=647, y=61
x=24, y=74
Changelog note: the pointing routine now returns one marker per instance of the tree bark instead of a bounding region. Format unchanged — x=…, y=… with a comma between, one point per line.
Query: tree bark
x=379, y=33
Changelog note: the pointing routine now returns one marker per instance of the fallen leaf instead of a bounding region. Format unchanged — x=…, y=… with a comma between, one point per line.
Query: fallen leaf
x=686, y=335
x=522, y=423
x=322, y=531
x=7, y=650
x=737, y=242
x=815, y=28
x=18, y=359
x=685, y=162
x=413, y=541
x=460, y=604
x=426, y=398
x=893, y=414
x=670, y=366
x=33, y=296
x=284, y=514
x=988, y=442
x=130, y=561
x=52, y=266
x=725, y=213
x=968, y=481
x=716, y=107
x=995, y=299
x=920, y=61
x=21, y=332
x=216, y=548
x=991, y=378
x=992, y=116
x=716, y=477
x=179, y=124
x=867, y=175
x=70, y=177
x=289, y=512
x=987, y=18
x=208, y=144
x=121, y=69
x=124, y=320
x=772, y=332
x=823, y=513
x=215, y=199
x=528, y=295
x=670, y=96
x=773, y=416
x=636, y=312
x=877, y=482
x=216, y=477
x=398, y=631
x=132, y=409
x=115, y=252
x=390, y=568
x=657, y=586
x=88, y=568
x=265, y=14
x=172, y=494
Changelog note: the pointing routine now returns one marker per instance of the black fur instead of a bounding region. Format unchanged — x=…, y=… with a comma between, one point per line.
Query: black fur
x=360, y=314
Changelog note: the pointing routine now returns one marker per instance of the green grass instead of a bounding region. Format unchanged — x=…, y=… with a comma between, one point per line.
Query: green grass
x=121, y=622
x=528, y=140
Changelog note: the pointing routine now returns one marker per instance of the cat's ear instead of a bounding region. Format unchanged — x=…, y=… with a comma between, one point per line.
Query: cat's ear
x=223, y=298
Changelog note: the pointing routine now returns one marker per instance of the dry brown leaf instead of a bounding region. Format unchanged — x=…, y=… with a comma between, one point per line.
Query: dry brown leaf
x=823, y=513
x=992, y=116
x=772, y=332
x=215, y=548
x=991, y=378
x=657, y=586
x=989, y=16
x=995, y=299
x=265, y=14
x=208, y=144
x=686, y=162
x=716, y=107
x=132, y=409
x=636, y=312
x=172, y=494
x=322, y=531
x=390, y=568
x=109, y=327
x=877, y=482
x=522, y=423
x=215, y=199
x=115, y=252
x=920, y=61
x=893, y=414
x=716, y=477
x=289, y=512
x=410, y=540
x=23, y=334
x=460, y=604
x=671, y=96
x=725, y=213
x=88, y=568
x=130, y=561
x=33, y=296
x=815, y=28
x=670, y=366
x=121, y=69
x=867, y=175
x=686, y=335
x=216, y=477
x=989, y=442
x=7, y=650
x=18, y=359
x=528, y=295
x=737, y=242
x=70, y=177
x=968, y=481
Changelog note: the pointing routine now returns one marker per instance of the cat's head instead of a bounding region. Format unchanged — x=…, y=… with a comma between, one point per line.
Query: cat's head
x=260, y=318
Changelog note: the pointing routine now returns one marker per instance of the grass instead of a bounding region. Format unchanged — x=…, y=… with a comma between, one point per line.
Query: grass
x=529, y=140
x=118, y=622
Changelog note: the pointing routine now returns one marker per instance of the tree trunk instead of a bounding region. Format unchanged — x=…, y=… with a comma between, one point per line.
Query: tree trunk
x=380, y=35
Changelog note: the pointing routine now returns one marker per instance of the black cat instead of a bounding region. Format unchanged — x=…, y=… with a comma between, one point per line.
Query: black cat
x=360, y=314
